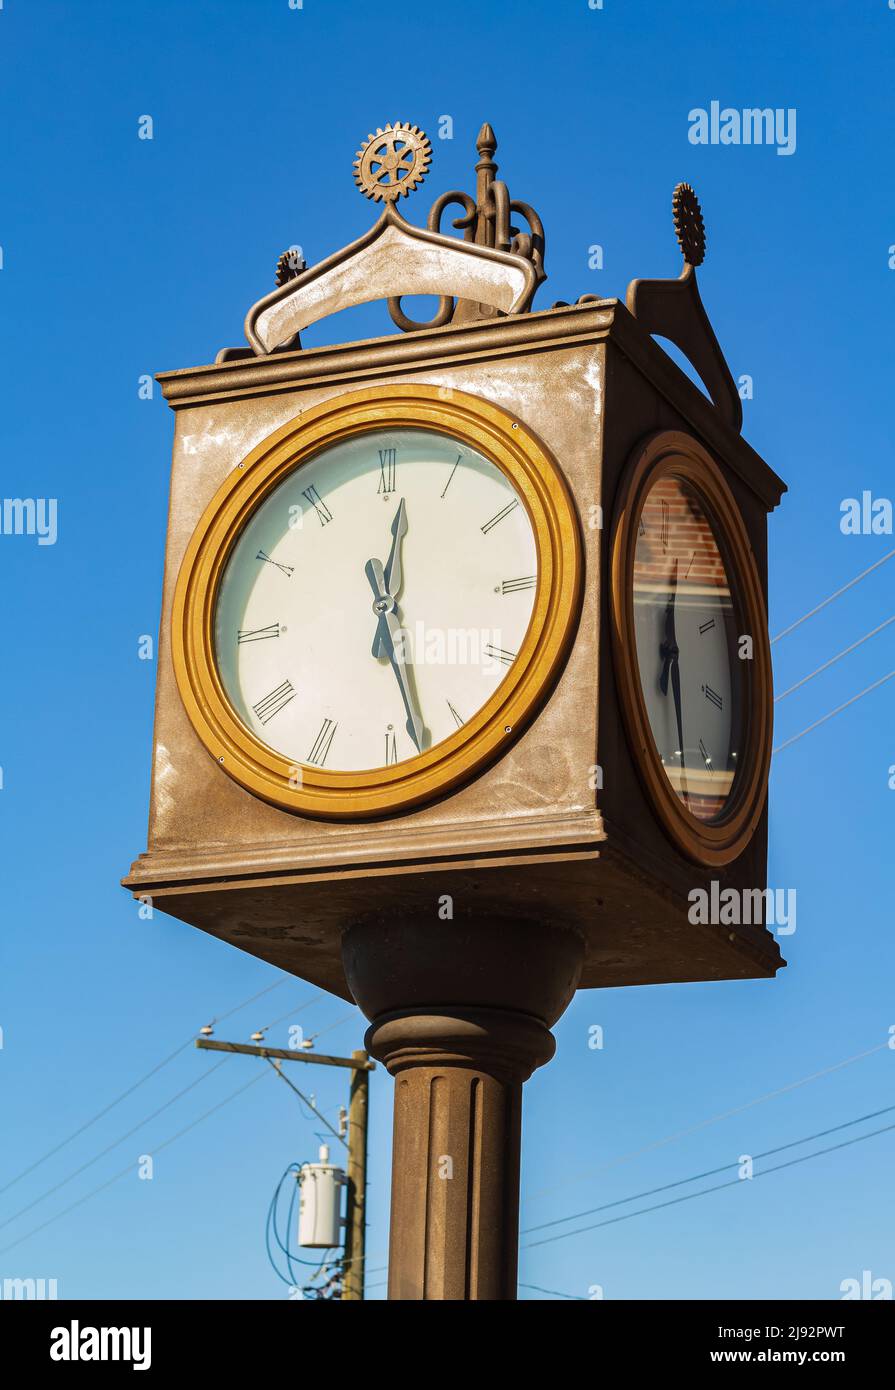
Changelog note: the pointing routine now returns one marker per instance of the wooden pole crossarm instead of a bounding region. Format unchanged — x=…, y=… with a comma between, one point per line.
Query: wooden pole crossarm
x=285, y=1054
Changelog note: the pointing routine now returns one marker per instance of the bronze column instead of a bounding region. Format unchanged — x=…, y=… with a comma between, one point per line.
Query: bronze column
x=459, y=1066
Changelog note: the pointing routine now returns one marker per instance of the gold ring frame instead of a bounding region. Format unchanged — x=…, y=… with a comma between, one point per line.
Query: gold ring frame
x=314, y=791
x=717, y=842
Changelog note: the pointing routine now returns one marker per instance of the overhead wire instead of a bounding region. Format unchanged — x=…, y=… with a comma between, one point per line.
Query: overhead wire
x=705, y=1192
x=709, y=1172
x=153, y=1115
x=317, y=1114
x=833, y=659
x=136, y=1085
x=157, y=1149
x=114, y=1145
x=795, y=738
x=722, y=1115
x=816, y=609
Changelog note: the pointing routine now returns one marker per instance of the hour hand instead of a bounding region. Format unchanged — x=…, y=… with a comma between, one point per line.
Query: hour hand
x=393, y=573
x=389, y=641
x=668, y=648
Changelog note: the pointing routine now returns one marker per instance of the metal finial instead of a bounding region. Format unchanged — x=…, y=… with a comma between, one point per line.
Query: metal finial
x=391, y=163
x=486, y=140
x=487, y=220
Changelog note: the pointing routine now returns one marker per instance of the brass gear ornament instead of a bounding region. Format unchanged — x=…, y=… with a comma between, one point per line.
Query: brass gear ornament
x=392, y=162
x=688, y=224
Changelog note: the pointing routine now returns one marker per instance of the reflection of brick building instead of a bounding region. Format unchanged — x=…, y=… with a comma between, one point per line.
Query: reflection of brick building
x=677, y=553
x=674, y=526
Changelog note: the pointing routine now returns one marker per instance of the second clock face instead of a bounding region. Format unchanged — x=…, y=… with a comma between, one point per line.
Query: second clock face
x=687, y=647
x=375, y=600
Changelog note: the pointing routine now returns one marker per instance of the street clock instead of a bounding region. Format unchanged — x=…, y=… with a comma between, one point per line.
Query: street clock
x=464, y=678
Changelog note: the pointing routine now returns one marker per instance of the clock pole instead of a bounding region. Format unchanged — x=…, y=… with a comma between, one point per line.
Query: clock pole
x=460, y=1016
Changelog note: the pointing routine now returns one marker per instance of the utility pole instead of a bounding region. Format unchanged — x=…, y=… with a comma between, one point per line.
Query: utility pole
x=354, y=1246
x=356, y=1210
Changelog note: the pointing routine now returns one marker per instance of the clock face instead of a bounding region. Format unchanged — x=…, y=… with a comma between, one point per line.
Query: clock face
x=375, y=600
x=686, y=635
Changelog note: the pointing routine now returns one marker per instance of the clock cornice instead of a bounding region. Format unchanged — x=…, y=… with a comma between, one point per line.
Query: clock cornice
x=368, y=360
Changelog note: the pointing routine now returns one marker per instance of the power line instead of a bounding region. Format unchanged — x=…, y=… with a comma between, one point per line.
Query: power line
x=289, y=1014
x=155, y=1113
x=277, y=984
x=130, y=1167
x=823, y=604
x=329, y=1027
x=301, y=1095
x=136, y=1085
x=704, y=1192
x=709, y=1172
x=724, y=1115
x=795, y=738
x=576, y=1297
x=114, y=1145
x=98, y=1116
x=833, y=659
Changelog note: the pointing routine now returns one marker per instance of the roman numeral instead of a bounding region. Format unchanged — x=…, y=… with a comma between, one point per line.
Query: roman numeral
x=453, y=471
x=705, y=755
x=257, y=634
x=706, y=627
x=272, y=704
x=641, y=529
x=513, y=586
x=286, y=569
x=318, y=504
x=664, y=524
x=489, y=525
x=386, y=470
x=391, y=749
x=318, y=753
x=498, y=654
x=713, y=696
x=457, y=720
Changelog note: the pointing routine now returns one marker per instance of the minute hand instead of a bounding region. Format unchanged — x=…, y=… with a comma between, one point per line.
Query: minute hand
x=389, y=639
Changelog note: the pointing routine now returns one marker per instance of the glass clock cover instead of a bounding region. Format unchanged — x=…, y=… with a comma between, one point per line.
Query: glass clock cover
x=687, y=647
x=375, y=600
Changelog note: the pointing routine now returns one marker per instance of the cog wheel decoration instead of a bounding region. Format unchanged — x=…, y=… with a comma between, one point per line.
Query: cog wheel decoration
x=688, y=224
x=290, y=265
x=392, y=162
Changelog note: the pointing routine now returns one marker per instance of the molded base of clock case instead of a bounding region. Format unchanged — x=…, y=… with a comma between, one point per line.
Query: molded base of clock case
x=635, y=931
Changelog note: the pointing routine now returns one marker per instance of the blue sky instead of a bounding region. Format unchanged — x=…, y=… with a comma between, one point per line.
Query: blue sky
x=123, y=257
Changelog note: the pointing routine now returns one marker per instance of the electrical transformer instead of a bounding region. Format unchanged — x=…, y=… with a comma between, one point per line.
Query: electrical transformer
x=319, y=1214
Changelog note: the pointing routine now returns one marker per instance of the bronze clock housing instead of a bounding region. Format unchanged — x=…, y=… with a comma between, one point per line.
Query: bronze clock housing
x=551, y=807
x=674, y=454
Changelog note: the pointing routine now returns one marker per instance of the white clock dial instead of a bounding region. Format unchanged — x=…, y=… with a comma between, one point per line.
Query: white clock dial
x=375, y=600
x=687, y=647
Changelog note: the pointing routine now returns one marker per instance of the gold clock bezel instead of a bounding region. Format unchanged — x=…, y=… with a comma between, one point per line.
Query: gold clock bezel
x=715, y=842
x=313, y=791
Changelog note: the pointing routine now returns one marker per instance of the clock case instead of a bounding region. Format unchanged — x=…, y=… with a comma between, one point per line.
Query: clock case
x=560, y=829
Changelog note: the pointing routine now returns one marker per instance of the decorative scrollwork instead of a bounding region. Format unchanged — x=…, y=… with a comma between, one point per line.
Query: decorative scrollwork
x=486, y=220
x=445, y=311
